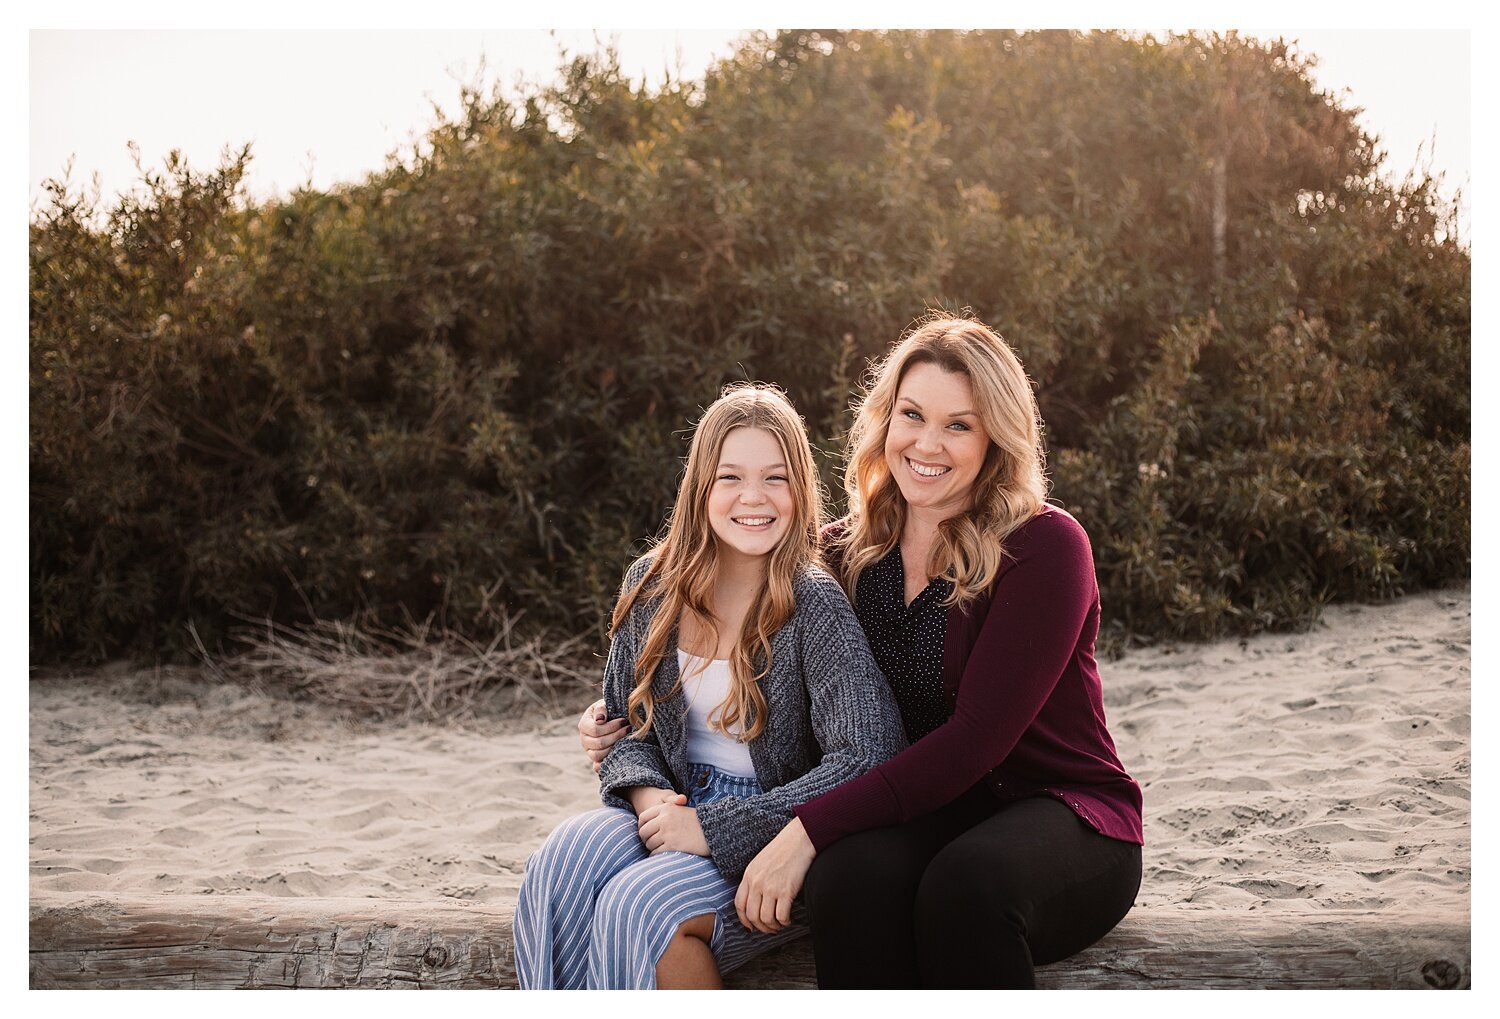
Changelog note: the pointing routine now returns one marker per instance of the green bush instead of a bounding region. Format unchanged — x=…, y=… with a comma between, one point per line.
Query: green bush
x=460, y=387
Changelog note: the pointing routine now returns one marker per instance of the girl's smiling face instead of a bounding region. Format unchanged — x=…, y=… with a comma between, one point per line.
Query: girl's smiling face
x=935, y=444
x=750, y=503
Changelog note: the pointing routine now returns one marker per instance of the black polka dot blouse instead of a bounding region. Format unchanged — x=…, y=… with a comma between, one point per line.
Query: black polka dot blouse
x=907, y=640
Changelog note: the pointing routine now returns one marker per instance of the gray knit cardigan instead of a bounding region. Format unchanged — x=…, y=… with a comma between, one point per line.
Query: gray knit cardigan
x=831, y=716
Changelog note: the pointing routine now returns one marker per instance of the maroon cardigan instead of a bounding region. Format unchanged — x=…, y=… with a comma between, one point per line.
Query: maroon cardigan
x=1027, y=708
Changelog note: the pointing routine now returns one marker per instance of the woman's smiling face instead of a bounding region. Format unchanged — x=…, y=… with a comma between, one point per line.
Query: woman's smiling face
x=935, y=444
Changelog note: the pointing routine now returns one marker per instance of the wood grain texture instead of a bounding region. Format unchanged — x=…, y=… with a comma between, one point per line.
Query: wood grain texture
x=243, y=942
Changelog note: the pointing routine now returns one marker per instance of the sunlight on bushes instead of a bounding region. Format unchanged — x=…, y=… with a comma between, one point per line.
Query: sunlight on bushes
x=479, y=363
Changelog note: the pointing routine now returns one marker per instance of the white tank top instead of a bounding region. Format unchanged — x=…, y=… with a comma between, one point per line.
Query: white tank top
x=705, y=690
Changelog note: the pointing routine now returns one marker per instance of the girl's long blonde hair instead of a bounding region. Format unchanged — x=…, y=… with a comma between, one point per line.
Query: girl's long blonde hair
x=1011, y=485
x=684, y=565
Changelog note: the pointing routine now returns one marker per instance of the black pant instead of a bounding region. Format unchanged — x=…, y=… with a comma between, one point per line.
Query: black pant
x=971, y=895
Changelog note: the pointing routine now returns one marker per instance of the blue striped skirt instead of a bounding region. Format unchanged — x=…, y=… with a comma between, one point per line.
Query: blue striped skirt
x=597, y=910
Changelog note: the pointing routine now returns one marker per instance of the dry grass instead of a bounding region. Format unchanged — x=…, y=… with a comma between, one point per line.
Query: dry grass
x=417, y=672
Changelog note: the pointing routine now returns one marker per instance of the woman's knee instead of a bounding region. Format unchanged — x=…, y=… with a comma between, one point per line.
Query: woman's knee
x=965, y=878
x=872, y=864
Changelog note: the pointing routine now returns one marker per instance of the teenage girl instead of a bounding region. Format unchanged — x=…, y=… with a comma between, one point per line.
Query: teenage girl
x=750, y=689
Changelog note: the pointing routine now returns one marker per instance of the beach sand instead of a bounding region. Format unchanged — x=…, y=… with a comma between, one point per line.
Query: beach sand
x=1327, y=770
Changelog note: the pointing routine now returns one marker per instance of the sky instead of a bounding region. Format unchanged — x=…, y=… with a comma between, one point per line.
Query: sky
x=338, y=102
x=326, y=106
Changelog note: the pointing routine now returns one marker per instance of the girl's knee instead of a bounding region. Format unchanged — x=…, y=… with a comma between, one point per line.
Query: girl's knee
x=637, y=917
x=695, y=930
x=688, y=962
x=603, y=822
x=588, y=835
x=627, y=901
x=700, y=928
x=584, y=849
x=645, y=903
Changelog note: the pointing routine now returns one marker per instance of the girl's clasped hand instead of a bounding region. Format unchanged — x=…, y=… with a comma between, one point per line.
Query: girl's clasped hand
x=672, y=824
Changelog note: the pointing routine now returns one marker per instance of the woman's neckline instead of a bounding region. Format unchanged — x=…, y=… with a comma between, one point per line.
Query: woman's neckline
x=711, y=661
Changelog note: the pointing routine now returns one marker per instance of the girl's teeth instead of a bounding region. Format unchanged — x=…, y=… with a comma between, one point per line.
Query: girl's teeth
x=754, y=521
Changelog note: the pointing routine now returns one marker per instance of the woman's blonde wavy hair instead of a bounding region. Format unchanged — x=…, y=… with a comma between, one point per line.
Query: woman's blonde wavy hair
x=685, y=562
x=1011, y=485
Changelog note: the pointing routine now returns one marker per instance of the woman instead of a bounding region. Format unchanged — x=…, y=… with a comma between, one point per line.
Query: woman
x=1008, y=834
x=751, y=688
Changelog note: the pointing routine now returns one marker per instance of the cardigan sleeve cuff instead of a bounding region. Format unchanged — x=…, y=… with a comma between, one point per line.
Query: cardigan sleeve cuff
x=861, y=803
x=628, y=766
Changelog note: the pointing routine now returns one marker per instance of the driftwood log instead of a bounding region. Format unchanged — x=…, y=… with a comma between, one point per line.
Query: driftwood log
x=165, y=941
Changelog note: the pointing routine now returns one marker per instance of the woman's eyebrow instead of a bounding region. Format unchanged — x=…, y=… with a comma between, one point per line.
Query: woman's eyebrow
x=959, y=414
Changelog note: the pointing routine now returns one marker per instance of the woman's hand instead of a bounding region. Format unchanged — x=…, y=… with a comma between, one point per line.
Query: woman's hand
x=597, y=732
x=672, y=825
x=773, y=879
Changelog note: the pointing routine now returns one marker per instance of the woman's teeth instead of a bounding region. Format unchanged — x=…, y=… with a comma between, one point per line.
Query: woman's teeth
x=927, y=472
